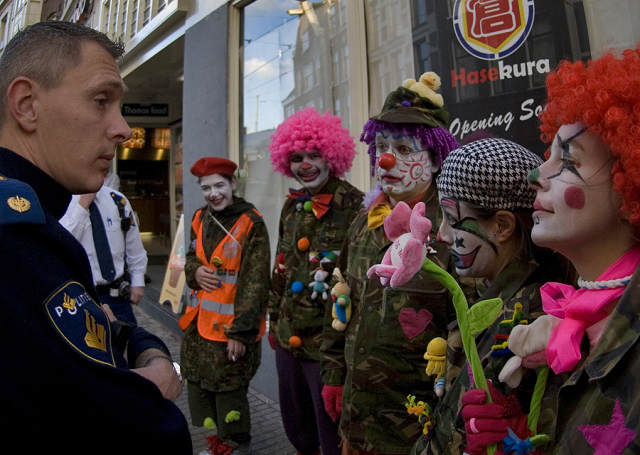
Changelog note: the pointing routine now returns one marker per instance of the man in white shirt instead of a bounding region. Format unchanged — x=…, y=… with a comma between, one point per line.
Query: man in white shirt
x=122, y=243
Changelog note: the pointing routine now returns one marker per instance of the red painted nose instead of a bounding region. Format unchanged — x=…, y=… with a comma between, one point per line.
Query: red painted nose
x=305, y=166
x=387, y=161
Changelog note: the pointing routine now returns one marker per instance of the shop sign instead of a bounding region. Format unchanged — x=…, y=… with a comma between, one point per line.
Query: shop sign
x=145, y=110
x=492, y=29
x=503, y=71
x=498, y=122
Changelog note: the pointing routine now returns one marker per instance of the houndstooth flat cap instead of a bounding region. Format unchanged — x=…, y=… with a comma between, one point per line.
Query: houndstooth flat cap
x=491, y=173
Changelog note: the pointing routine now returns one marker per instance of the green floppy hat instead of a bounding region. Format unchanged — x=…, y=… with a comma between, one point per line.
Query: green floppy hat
x=416, y=102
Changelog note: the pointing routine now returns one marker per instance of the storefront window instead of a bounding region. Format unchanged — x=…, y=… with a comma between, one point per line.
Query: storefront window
x=493, y=56
x=293, y=56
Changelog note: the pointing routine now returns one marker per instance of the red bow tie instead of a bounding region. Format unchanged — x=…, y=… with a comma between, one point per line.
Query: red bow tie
x=319, y=202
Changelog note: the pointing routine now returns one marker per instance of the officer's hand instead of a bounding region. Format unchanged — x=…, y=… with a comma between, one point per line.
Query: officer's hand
x=160, y=371
x=136, y=294
x=207, y=278
x=110, y=314
x=236, y=349
x=86, y=200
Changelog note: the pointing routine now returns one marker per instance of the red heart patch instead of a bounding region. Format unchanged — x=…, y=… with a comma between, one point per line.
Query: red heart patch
x=413, y=324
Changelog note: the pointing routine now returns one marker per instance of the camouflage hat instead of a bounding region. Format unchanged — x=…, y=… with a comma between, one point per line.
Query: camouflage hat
x=416, y=102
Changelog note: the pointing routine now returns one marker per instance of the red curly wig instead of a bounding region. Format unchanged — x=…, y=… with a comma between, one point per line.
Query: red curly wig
x=305, y=131
x=604, y=95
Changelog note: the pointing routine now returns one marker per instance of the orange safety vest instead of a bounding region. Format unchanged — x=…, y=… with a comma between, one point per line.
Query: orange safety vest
x=215, y=309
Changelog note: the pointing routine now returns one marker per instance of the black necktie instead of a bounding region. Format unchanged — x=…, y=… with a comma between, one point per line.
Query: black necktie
x=100, y=241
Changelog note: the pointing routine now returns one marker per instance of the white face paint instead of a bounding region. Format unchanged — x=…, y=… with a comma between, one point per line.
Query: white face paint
x=310, y=169
x=412, y=173
x=575, y=204
x=217, y=191
x=472, y=251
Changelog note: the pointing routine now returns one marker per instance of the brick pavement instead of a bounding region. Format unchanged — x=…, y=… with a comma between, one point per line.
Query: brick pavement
x=268, y=437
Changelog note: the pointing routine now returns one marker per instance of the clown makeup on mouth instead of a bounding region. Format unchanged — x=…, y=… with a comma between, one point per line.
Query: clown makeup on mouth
x=404, y=169
x=575, y=199
x=217, y=190
x=310, y=170
x=465, y=236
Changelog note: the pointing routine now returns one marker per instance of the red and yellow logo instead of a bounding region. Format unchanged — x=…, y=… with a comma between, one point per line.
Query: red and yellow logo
x=492, y=29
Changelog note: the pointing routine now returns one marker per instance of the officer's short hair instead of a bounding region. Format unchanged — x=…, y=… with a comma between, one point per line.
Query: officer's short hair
x=45, y=51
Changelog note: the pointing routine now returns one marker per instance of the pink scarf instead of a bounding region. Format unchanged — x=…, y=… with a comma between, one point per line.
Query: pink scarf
x=581, y=309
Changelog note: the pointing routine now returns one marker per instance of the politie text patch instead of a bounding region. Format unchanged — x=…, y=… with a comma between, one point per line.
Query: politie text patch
x=81, y=322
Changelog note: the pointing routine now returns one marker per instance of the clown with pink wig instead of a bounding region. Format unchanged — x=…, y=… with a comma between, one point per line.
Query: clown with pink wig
x=370, y=368
x=317, y=151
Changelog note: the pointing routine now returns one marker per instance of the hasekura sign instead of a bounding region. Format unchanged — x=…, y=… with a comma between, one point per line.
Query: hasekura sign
x=492, y=29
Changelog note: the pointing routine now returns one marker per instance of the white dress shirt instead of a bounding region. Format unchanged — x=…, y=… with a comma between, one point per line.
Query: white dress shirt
x=77, y=221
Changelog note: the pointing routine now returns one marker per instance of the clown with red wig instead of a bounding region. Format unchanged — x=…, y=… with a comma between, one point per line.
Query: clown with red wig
x=370, y=369
x=588, y=209
x=317, y=151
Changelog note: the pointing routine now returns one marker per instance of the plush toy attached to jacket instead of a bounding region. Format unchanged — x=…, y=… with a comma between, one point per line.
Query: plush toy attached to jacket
x=409, y=230
x=340, y=294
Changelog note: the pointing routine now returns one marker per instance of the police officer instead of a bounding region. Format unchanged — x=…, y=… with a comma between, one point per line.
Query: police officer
x=118, y=258
x=65, y=387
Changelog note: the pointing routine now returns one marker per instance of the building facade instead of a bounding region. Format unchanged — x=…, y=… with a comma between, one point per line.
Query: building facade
x=216, y=77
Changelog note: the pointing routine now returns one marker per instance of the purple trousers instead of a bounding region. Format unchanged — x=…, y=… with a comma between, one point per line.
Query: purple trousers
x=306, y=423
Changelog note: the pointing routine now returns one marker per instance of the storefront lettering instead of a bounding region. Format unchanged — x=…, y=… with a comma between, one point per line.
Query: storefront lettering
x=461, y=128
x=501, y=72
x=528, y=111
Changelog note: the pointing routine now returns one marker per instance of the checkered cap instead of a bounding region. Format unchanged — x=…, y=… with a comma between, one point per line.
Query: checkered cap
x=490, y=173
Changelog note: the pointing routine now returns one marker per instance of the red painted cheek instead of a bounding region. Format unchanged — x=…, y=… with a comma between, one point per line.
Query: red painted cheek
x=574, y=198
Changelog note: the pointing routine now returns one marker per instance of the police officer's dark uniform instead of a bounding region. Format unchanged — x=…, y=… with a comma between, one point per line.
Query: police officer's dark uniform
x=64, y=387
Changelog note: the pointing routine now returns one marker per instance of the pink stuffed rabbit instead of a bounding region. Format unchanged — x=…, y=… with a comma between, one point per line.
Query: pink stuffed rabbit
x=409, y=231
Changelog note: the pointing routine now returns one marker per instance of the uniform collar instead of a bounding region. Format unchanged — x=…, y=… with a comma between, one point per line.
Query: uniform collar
x=52, y=196
x=511, y=279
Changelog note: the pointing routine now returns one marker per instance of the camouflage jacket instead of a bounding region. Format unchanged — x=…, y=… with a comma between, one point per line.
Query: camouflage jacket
x=519, y=282
x=610, y=375
x=298, y=314
x=206, y=361
x=376, y=361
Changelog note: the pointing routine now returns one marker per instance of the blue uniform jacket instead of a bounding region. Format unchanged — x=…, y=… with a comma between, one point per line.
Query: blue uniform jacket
x=64, y=388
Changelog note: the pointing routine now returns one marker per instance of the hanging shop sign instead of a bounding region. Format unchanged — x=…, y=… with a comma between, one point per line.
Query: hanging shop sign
x=145, y=110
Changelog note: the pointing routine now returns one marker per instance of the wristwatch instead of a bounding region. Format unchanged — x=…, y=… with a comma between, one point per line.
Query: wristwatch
x=176, y=367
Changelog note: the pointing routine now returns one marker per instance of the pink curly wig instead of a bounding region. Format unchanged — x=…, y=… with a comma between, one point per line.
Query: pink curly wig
x=604, y=95
x=305, y=131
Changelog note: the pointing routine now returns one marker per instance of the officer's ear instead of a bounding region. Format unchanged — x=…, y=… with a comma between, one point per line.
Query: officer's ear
x=21, y=100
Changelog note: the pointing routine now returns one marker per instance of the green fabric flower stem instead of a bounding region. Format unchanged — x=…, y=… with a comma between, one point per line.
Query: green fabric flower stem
x=468, y=341
x=534, y=412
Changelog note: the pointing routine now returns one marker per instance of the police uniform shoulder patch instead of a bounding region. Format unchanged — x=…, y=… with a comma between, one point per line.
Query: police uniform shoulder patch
x=81, y=322
x=18, y=203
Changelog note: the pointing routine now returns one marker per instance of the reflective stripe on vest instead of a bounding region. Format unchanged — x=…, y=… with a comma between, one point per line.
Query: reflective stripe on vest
x=215, y=309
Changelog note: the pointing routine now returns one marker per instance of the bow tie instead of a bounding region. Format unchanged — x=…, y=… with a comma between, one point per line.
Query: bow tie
x=319, y=202
x=376, y=216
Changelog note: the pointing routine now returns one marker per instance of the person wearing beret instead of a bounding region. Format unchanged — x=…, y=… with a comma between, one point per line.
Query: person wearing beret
x=315, y=150
x=227, y=267
x=370, y=369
